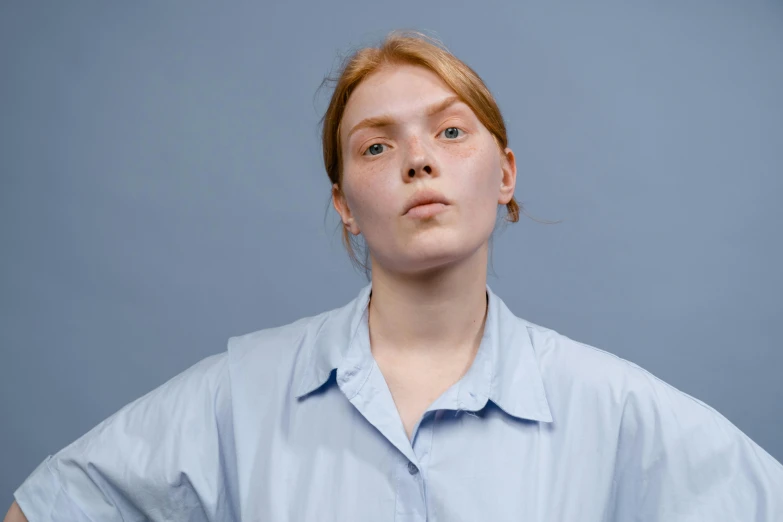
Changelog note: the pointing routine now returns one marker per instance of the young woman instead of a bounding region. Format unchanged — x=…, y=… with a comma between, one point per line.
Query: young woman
x=424, y=398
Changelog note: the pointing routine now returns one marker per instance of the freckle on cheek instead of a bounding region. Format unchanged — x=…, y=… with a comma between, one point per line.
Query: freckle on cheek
x=467, y=151
x=374, y=168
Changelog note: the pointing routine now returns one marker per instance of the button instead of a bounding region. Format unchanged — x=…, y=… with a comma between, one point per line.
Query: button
x=412, y=469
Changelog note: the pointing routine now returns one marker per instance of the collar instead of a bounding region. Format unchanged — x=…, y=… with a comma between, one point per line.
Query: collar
x=505, y=369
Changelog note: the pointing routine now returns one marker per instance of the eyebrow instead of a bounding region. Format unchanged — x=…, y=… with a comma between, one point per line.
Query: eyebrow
x=386, y=120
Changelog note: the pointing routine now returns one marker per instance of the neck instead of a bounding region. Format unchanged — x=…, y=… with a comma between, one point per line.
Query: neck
x=438, y=314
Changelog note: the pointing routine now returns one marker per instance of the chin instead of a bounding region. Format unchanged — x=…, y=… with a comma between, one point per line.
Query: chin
x=432, y=260
x=427, y=252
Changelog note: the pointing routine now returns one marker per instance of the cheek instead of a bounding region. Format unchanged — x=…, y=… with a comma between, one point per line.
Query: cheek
x=467, y=152
x=481, y=175
x=370, y=195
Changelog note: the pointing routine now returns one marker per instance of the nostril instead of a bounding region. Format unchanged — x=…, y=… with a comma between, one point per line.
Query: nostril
x=411, y=173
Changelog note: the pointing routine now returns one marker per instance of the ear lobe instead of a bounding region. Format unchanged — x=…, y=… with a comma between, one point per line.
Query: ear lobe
x=352, y=227
x=341, y=206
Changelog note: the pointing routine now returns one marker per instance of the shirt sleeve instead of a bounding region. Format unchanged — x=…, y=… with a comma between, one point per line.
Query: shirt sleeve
x=168, y=455
x=680, y=460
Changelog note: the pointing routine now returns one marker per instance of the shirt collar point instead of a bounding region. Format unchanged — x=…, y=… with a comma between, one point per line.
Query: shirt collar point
x=329, y=347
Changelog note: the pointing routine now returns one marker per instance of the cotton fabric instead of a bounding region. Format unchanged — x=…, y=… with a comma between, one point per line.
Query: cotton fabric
x=296, y=423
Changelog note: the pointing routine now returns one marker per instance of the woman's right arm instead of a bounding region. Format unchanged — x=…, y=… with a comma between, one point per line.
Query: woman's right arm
x=15, y=514
x=158, y=458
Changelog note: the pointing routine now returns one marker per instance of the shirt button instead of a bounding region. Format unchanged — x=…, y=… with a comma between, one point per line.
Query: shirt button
x=412, y=469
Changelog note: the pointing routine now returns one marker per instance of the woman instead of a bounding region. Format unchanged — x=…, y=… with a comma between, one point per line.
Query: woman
x=424, y=398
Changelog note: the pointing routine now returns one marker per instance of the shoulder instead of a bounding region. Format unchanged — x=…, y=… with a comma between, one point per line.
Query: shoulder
x=574, y=370
x=271, y=356
x=564, y=360
x=275, y=343
x=650, y=420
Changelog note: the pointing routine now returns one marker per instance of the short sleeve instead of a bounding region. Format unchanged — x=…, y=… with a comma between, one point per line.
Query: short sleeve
x=168, y=455
x=680, y=460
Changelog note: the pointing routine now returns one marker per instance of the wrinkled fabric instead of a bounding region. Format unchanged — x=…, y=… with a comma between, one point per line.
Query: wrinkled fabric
x=296, y=423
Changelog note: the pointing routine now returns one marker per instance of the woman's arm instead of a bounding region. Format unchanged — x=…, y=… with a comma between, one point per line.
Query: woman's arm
x=15, y=514
x=159, y=457
x=680, y=460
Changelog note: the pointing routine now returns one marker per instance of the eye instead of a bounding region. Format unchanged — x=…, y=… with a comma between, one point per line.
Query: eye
x=374, y=149
x=453, y=132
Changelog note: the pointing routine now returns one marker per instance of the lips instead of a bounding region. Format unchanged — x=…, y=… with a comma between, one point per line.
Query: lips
x=425, y=197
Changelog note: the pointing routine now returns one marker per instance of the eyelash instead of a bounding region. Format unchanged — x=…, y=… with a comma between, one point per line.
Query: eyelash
x=441, y=132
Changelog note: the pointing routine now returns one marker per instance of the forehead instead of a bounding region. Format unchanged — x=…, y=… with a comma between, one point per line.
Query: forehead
x=401, y=91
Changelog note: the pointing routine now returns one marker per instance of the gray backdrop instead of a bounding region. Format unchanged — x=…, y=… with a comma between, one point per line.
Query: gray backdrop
x=162, y=190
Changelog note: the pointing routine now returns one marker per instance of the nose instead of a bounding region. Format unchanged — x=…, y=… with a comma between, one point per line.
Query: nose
x=420, y=160
x=425, y=168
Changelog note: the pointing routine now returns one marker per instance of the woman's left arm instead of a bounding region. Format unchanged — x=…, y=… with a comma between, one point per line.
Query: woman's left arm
x=681, y=460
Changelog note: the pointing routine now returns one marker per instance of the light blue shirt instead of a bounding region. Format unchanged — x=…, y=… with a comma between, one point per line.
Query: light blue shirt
x=540, y=428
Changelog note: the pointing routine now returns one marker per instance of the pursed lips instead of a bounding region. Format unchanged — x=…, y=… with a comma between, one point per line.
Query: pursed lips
x=425, y=197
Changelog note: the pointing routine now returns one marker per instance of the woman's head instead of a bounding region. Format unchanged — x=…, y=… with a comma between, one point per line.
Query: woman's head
x=407, y=119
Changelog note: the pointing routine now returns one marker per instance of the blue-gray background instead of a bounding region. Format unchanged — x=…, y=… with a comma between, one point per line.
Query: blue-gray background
x=162, y=189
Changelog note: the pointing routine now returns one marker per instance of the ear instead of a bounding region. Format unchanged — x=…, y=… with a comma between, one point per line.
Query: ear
x=341, y=206
x=509, y=180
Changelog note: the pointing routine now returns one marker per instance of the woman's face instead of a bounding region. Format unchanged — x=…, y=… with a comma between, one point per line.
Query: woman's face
x=400, y=137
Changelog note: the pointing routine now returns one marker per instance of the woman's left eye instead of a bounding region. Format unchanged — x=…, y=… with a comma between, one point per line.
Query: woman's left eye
x=453, y=132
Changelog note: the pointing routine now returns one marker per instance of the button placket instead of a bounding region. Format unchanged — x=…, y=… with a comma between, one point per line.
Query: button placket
x=411, y=506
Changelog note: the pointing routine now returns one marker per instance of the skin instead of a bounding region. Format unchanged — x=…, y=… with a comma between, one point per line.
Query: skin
x=15, y=514
x=428, y=303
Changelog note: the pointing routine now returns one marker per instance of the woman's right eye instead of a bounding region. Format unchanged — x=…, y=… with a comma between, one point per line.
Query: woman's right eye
x=374, y=149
